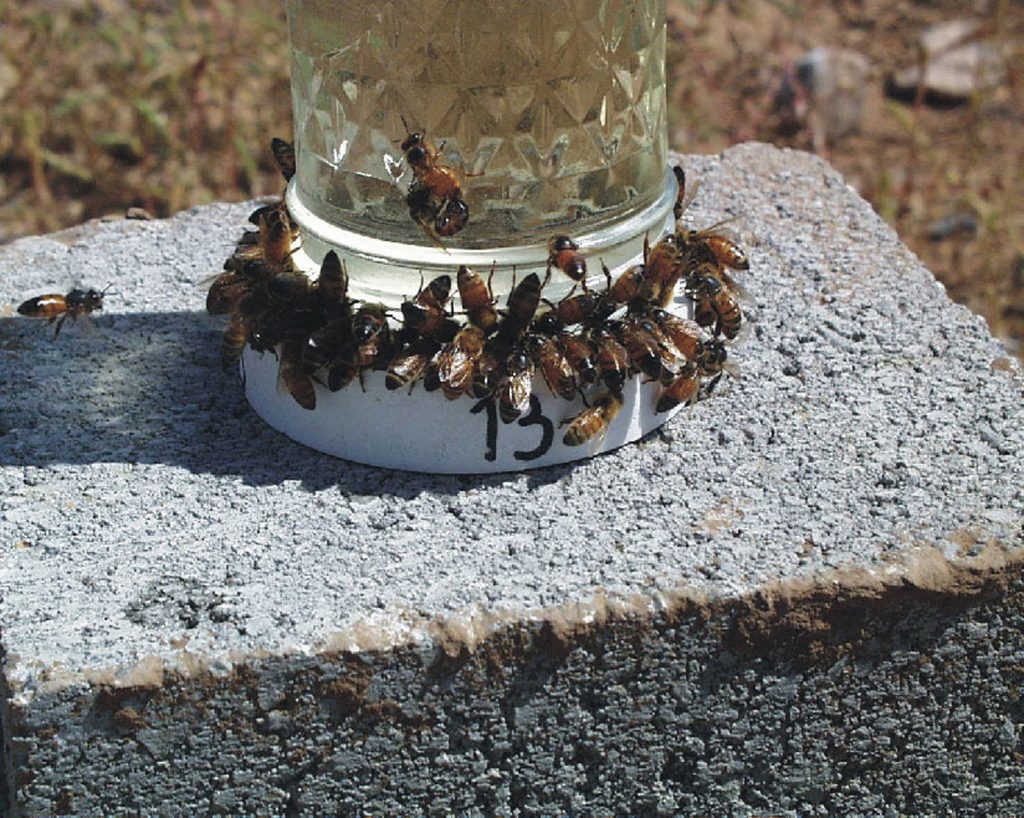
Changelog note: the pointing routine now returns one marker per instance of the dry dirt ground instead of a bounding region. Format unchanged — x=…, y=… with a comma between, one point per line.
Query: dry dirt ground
x=162, y=104
x=917, y=163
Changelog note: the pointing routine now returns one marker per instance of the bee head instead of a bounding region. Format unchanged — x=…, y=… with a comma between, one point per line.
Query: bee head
x=560, y=243
x=415, y=153
x=94, y=299
x=547, y=323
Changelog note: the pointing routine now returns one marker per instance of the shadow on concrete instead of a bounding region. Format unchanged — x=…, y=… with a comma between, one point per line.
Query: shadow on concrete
x=149, y=388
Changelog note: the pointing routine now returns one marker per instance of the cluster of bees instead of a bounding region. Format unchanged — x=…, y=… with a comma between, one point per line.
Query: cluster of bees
x=588, y=344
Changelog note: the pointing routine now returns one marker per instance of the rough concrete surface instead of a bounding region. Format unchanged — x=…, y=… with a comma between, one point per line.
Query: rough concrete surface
x=803, y=597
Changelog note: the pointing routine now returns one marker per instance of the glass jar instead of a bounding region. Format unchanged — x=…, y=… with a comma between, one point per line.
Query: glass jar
x=550, y=115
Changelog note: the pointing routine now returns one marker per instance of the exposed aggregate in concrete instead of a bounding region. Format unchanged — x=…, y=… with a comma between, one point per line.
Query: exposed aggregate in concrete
x=146, y=512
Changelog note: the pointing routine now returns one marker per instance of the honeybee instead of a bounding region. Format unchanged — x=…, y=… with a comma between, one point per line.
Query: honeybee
x=59, y=308
x=663, y=267
x=284, y=155
x=369, y=328
x=684, y=335
x=592, y=423
x=487, y=372
x=575, y=309
x=409, y=365
x=435, y=196
x=646, y=347
x=564, y=254
x=456, y=363
x=715, y=305
x=293, y=373
x=710, y=244
x=714, y=360
x=522, y=304
x=580, y=355
x=477, y=300
x=233, y=341
x=684, y=389
x=372, y=339
x=554, y=366
x=611, y=359
x=224, y=292
x=514, y=389
x=329, y=342
x=627, y=287
x=288, y=288
x=332, y=287
x=425, y=314
x=274, y=247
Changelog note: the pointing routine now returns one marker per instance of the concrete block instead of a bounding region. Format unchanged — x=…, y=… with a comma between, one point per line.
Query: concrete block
x=803, y=597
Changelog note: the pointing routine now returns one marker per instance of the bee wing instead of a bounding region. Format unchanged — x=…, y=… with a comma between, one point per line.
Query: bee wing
x=737, y=289
x=208, y=282
x=450, y=361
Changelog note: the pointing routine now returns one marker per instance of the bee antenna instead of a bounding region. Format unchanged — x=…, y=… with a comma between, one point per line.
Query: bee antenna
x=404, y=124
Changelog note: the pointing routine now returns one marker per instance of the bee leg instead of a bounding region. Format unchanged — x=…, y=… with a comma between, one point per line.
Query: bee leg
x=60, y=323
x=433, y=236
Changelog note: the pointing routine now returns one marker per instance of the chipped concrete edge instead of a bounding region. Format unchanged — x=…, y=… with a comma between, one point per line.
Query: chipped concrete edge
x=808, y=611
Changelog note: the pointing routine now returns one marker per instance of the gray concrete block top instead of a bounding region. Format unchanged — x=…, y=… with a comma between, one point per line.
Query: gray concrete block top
x=149, y=519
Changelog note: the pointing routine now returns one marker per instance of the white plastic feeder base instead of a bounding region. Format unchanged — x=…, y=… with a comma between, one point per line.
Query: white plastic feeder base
x=425, y=432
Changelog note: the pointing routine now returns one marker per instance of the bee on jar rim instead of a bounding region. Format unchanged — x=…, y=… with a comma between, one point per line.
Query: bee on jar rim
x=225, y=290
x=332, y=287
x=714, y=305
x=593, y=422
x=610, y=358
x=571, y=310
x=684, y=335
x=549, y=357
x=709, y=244
x=663, y=267
x=683, y=389
x=477, y=299
x=284, y=156
x=58, y=308
x=580, y=355
x=274, y=246
x=514, y=389
x=627, y=287
x=233, y=341
x=646, y=347
x=371, y=338
x=407, y=366
x=294, y=374
x=564, y=254
x=520, y=308
x=456, y=363
x=425, y=314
